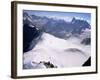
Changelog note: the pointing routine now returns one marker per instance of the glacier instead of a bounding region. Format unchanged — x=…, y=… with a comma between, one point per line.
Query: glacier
x=60, y=52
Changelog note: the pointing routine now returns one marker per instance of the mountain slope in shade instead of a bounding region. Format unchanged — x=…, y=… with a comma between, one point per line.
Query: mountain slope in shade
x=59, y=52
x=57, y=27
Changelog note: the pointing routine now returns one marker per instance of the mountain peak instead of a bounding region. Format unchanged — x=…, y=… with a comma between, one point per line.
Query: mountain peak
x=73, y=20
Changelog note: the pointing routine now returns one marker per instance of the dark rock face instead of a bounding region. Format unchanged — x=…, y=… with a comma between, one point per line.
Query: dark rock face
x=29, y=33
x=49, y=64
x=87, y=63
x=86, y=41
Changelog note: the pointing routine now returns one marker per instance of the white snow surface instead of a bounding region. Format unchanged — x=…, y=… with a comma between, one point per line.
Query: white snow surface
x=60, y=52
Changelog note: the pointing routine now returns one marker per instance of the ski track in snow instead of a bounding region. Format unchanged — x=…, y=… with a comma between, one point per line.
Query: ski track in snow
x=58, y=51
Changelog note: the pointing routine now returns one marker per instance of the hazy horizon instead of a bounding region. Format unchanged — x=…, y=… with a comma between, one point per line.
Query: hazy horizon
x=67, y=16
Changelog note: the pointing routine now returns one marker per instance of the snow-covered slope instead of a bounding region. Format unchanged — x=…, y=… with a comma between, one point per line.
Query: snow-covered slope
x=60, y=52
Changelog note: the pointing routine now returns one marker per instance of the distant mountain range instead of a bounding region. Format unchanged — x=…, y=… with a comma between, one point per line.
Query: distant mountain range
x=34, y=26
